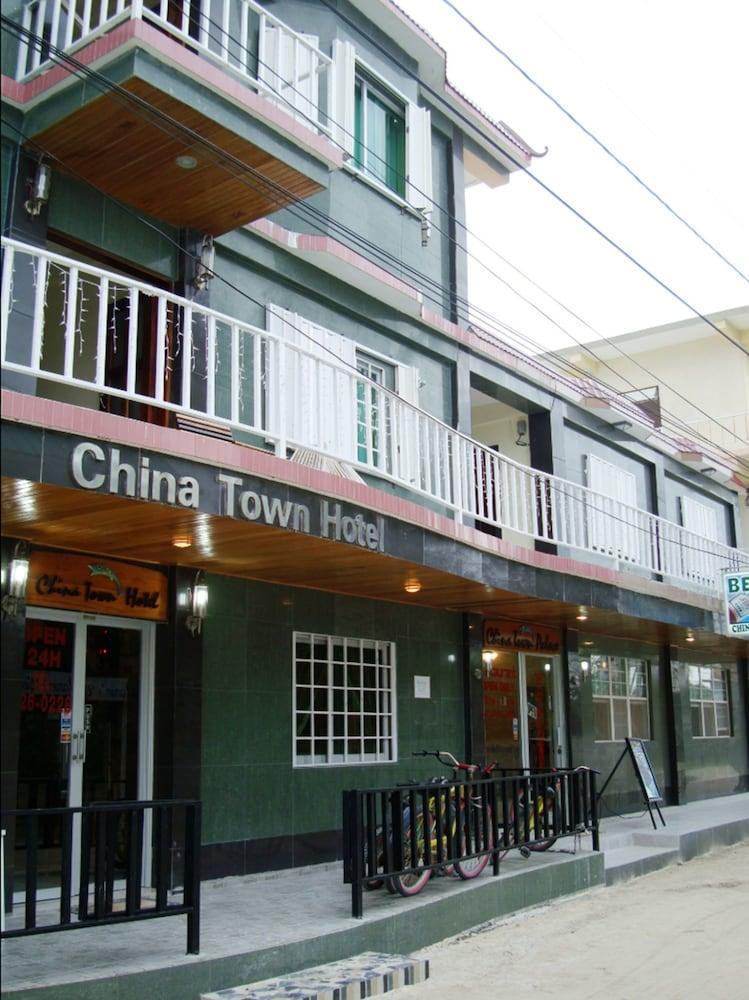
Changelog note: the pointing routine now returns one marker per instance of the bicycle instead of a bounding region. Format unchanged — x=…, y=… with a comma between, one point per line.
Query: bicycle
x=466, y=821
x=538, y=817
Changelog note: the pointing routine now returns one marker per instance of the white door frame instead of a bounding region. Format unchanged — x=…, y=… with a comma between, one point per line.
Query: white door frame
x=558, y=740
x=81, y=620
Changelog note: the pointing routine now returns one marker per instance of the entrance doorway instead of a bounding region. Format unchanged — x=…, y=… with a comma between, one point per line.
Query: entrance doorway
x=523, y=718
x=86, y=722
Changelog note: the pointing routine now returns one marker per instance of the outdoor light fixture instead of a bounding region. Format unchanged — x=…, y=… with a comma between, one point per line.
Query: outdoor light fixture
x=182, y=542
x=205, y=263
x=18, y=574
x=582, y=615
x=186, y=162
x=197, y=603
x=39, y=189
x=584, y=666
x=412, y=585
x=547, y=667
x=521, y=429
x=690, y=637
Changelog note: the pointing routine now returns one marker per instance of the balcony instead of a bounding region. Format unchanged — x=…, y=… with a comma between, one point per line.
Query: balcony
x=207, y=116
x=100, y=340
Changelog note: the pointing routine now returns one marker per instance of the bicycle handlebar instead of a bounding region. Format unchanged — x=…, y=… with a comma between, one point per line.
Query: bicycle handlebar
x=445, y=757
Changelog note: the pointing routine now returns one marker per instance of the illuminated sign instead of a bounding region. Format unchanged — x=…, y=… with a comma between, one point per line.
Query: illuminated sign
x=736, y=592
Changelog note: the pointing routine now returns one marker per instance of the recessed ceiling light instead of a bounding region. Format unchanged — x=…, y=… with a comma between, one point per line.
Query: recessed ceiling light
x=182, y=542
x=186, y=162
x=582, y=615
x=690, y=637
x=412, y=586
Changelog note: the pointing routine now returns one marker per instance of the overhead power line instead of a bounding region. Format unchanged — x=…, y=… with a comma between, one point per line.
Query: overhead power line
x=537, y=180
x=594, y=138
x=170, y=125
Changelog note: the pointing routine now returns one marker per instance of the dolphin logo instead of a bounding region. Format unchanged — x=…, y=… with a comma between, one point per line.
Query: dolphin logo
x=98, y=569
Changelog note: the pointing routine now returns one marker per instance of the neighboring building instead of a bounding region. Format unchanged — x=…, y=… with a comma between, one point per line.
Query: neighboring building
x=377, y=497
x=701, y=372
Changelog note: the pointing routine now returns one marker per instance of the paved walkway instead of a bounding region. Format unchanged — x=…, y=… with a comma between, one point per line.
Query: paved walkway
x=263, y=925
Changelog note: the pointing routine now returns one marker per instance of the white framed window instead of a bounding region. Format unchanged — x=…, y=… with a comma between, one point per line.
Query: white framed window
x=620, y=698
x=612, y=528
x=709, y=702
x=344, y=700
x=388, y=137
x=373, y=423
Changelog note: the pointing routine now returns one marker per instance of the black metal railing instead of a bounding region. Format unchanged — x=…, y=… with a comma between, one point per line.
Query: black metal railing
x=455, y=820
x=102, y=848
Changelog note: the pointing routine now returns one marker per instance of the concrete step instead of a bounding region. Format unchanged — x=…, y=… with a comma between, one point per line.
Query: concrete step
x=367, y=975
x=622, y=863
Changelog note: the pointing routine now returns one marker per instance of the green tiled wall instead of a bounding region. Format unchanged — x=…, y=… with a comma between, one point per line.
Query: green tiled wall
x=249, y=788
x=711, y=766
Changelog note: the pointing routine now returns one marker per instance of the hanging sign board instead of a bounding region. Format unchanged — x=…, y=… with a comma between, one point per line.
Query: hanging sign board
x=644, y=770
x=521, y=636
x=96, y=585
x=736, y=593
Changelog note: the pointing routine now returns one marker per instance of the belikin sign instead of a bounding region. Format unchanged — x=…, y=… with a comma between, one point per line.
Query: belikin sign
x=736, y=592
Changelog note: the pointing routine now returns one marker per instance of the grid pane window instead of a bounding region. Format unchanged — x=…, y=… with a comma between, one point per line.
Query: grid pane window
x=620, y=698
x=709, y=701
x=343, y=700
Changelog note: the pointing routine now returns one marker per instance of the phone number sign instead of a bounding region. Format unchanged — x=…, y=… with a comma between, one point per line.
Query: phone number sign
x=736, y=591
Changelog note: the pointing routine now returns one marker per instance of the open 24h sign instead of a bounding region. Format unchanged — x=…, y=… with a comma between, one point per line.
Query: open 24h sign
x=736, y=590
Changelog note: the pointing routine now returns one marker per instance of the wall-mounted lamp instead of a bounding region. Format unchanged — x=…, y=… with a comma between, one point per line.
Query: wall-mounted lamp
x=197, y=603
x=39, y=186
x=18, y=574
x=547, y=668
x=205, y=263
x=521, y=429
x=584, y=666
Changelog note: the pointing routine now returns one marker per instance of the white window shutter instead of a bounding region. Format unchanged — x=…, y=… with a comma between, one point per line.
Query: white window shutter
x=612, y=529
x=343, y=111
x=407, y=383
x=419, y=154
x=320, y=391
x=289, y=70
x=699, y=518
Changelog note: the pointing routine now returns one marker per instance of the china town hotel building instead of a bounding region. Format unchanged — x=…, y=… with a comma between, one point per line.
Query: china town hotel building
x=286, y=515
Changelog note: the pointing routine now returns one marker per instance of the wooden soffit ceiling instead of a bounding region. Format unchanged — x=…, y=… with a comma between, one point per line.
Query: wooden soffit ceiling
x=129, y=148
x=145, y=532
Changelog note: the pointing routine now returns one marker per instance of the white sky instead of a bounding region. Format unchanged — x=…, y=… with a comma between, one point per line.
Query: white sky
x=665, y=85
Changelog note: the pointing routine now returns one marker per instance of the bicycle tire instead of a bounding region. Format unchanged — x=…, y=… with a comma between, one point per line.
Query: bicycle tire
x=543, y=845
x=411, y=883
x=468, y=868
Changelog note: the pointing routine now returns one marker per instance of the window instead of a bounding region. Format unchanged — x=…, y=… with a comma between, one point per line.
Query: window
x=380, y=134
x=373, y=431
x=344, y=700
x=620, y=698
x=709, y=703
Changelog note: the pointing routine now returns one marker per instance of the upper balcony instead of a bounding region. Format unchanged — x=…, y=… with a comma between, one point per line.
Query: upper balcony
x=76, y=332
x=205, y=116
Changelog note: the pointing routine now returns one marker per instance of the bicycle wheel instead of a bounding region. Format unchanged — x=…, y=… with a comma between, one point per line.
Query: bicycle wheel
x=544, y=819
x=468, y=868
x=375, y=882
x=411, y=883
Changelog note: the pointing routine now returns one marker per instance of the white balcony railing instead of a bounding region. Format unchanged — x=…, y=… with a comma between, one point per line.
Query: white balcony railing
x=240, y=35
x=100, y=337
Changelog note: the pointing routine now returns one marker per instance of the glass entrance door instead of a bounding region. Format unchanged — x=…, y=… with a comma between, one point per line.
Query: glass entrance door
x=523, y=718
x=85, y=726
x=538, y=680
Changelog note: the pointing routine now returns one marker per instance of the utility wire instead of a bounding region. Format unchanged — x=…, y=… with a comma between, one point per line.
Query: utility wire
x=537, y=180
x=283, y=193
x=528, y=472
x=594, y=138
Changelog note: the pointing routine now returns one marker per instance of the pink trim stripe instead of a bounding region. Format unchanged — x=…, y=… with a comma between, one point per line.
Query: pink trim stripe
x=195, y=66
x=52, y=415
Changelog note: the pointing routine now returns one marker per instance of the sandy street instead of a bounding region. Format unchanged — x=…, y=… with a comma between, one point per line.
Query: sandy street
x=677, y=934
